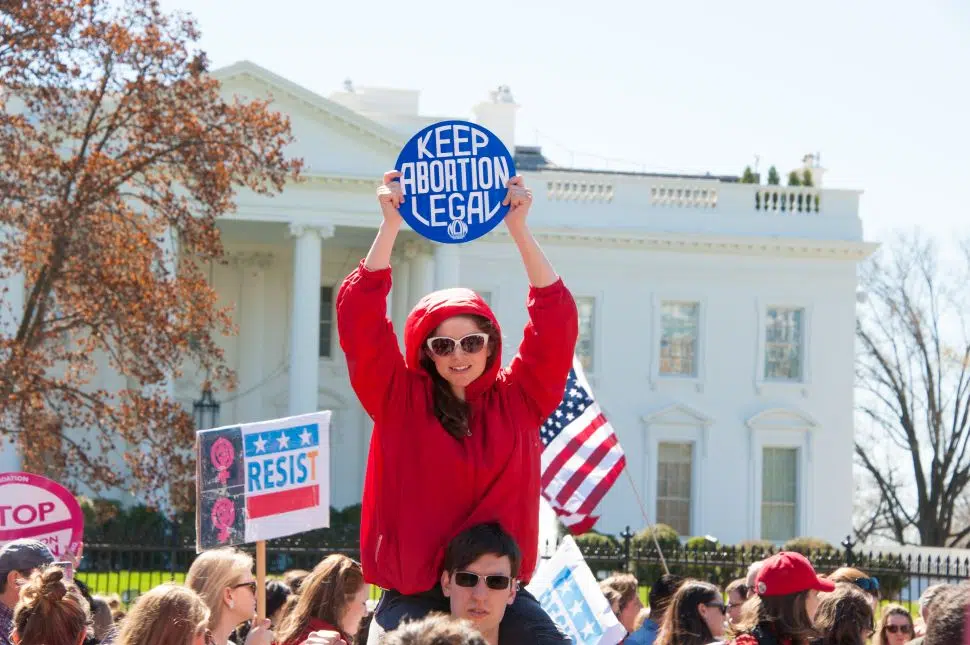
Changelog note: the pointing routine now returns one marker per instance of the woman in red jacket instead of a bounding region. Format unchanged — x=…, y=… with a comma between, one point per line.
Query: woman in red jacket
x=456, y=437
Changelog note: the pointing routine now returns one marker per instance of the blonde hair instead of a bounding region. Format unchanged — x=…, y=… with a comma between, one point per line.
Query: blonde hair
x=50, y=610
x=324, y=594
x=169, y=614
x=213, y=572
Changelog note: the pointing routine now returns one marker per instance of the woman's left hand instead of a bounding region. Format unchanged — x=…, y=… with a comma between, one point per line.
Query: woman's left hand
x=519, y=200
x=324, y=638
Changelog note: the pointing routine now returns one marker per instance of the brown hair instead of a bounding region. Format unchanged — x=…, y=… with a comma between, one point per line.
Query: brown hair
x=452, y=412
x=787, y=616
x=892, y=610
x=169, y=614
x=324, y=595
x=435, y=629
x=947, y=621
x=843, y=615
x=683, y=624
x=740, y=585
x=50, y=610
x=294, y=578
x=620, y=589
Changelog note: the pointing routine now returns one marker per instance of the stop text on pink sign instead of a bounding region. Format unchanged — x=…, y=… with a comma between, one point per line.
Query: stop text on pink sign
x=40, y=509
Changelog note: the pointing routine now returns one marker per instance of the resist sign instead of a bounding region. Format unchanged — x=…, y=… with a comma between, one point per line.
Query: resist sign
x=35, y=507
x=454, y=176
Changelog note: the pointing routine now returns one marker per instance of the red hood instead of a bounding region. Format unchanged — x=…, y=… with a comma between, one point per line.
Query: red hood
x=435, y=308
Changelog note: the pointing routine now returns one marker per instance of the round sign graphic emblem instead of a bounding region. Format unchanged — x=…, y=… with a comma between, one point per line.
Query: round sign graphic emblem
x=41, y=509
x=454, y=177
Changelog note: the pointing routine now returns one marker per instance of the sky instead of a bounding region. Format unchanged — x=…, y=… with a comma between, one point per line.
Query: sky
x=880, y=89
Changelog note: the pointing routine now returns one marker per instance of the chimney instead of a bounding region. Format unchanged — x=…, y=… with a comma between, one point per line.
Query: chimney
x=498, y=115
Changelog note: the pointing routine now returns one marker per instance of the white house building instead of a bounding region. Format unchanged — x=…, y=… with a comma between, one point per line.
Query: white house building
x=717, y=318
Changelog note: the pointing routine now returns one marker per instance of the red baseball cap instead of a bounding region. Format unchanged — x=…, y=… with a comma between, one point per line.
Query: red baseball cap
x=787, y=573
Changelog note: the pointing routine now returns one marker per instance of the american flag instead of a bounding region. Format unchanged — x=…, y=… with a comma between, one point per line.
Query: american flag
x=581, y=456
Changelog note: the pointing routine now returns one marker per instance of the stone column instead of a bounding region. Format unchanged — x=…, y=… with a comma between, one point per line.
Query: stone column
x=421, y=271
x=252, y=328
x=402, y=298
x=447, y=266
x=305, y=316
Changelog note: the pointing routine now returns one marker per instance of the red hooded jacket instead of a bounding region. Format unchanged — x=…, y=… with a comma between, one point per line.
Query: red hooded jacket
x=423, y=486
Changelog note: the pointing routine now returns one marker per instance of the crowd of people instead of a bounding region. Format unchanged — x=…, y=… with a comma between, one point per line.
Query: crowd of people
x=783, y=601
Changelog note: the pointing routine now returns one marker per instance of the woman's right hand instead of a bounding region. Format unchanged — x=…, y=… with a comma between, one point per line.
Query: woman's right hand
x=324, y=638
x=390, y=196
x=260, y=634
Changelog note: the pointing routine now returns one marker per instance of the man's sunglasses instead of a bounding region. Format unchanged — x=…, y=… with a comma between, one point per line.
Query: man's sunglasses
x=445, y=346
x=469, y=580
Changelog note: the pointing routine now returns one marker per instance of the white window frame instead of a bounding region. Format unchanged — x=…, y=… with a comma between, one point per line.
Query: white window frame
x=656, y=377
x=597, y=367
x=761, y=384
x=677, y=423
x=782, y=428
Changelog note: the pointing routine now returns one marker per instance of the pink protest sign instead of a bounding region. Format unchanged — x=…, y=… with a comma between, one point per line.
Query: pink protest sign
x=35, y=507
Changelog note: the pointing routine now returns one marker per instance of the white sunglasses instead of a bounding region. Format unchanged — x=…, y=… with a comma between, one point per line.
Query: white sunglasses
x=445, y=345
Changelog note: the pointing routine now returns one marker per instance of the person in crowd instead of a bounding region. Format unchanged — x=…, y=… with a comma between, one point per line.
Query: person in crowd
x=622, y=590
x=695, y=615
x=782, y=612
x=479, y=577
x=278, y=595
x=333, y=597
x=861, y=579
x=737, y=594
x=926, y=600
x=169, y=614
x=50, y=610
x=101, y=616
x=948, y=620
x=224, y=579
x=752, y=575
x=895, y=627
x=19, y=559
x=661, y=593
x=453, y=430
x=437, y=629
x=294, y=578
x=844, y=617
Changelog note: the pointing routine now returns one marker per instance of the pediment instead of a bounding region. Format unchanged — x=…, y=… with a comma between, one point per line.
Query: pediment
x=781, y=419
x=678, y=414
x=330, y=138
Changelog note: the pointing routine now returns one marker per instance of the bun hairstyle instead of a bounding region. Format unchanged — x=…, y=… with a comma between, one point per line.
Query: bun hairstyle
x=50, y=610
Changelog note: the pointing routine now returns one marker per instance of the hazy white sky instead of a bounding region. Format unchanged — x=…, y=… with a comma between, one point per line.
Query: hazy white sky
x=881, y=89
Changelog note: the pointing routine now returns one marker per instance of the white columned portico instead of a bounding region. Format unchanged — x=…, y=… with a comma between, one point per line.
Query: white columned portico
x=305, y=316
x=11, y=313
x=421, y=273
x=252, y=314
x=447, y=266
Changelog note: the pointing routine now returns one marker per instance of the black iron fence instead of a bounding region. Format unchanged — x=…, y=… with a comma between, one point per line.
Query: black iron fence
x=131, y=569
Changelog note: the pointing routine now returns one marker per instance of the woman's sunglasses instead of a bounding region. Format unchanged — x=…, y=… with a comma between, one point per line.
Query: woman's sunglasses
x=868, y=584
x=892, y=629
x=445, y=346
x=717, y=605
x=469, y=580
x=251, y=585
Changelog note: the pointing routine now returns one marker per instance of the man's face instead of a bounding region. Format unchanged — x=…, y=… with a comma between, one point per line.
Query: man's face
x=482, y=605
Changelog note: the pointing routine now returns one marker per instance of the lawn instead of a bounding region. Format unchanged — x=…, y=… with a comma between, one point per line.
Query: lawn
x=127, y=584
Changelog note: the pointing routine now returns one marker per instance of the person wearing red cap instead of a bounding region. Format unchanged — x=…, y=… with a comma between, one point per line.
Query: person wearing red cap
x=783, y=611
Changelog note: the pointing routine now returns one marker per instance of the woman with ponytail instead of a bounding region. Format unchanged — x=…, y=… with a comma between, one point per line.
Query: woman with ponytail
x=456, y=436
x=50, y=610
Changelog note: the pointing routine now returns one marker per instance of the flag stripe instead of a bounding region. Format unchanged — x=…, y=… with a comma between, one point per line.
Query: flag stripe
x=285, y=501
x=571, y=448
x=586, y=467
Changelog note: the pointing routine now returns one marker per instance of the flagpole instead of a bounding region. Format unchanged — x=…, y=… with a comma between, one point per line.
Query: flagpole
x=643, y=510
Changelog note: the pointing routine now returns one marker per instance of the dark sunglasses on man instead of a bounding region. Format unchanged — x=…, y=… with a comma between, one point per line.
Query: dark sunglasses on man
x=469, y=580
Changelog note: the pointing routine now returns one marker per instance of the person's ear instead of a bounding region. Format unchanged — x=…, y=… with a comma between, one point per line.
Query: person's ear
x=227, y=597
x=513, y=589
x=446, y=584
x=12, y=580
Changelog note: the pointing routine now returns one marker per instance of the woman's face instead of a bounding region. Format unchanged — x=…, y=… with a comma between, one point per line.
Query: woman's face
x=735, y=602
x=459, y=350
x=354, y=612
x=712, y=613
x=242, y=597
x=898, y=630
x=811, y=604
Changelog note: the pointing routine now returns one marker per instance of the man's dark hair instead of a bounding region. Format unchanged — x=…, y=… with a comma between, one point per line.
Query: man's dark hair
x=948, y=617
x=661, y=593
x=479, y=540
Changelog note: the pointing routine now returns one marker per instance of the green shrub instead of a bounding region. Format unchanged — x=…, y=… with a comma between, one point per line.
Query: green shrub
x=808, y=546
x=764, y=547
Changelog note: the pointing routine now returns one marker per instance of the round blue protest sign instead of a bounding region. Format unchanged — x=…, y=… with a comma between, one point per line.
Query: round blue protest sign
x=454, y=176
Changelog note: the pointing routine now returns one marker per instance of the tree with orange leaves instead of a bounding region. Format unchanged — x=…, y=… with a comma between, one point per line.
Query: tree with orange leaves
x=117, y=156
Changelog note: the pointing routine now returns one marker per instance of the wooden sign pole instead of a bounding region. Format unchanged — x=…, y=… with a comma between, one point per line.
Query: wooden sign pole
x=260, y=581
